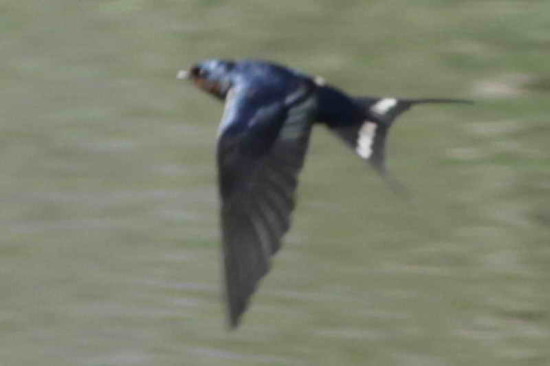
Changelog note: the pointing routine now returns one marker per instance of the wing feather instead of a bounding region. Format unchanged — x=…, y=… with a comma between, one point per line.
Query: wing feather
x=258, y=193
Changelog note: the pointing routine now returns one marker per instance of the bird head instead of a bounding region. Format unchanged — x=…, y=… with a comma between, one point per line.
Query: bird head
x=213, y=76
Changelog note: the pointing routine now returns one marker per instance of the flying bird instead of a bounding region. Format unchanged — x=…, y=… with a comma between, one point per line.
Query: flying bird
x=263, y=139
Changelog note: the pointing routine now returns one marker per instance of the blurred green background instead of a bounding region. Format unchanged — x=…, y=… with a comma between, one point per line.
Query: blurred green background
x=109, y=241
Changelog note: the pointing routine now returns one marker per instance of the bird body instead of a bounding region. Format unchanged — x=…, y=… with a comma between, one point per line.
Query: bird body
x=263, y=139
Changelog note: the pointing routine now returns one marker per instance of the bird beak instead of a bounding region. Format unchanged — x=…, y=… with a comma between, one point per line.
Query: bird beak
x=183, y=74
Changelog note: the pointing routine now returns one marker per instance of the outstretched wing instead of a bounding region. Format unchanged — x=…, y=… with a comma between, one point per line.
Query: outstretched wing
x=261, y=151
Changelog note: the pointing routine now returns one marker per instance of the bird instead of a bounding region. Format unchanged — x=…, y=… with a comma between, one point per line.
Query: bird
x=263, y=138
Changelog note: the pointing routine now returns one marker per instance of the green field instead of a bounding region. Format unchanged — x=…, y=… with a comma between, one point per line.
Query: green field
x=109, y=229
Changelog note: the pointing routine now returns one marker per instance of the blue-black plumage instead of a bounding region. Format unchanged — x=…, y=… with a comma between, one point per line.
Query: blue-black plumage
x=269, y=112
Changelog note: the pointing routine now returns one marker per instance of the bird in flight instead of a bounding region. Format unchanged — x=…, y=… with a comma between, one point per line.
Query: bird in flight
x=262, y=142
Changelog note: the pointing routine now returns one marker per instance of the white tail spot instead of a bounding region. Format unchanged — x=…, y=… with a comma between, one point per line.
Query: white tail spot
x=320, y=81
x=365, y=139
x=384, y=105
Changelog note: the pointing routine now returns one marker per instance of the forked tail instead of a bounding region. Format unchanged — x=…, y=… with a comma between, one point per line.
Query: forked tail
x=369, y=137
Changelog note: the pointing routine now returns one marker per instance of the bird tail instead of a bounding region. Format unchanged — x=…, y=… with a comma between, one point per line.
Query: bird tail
x=389, y=109
x=369, y=137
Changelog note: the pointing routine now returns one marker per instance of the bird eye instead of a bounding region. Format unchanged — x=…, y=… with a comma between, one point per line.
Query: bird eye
x=197, y=71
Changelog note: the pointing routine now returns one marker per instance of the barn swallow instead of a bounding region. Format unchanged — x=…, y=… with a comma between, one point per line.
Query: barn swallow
x=263, y=139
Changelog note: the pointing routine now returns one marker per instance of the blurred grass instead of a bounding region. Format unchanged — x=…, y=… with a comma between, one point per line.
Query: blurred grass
x=109, y=214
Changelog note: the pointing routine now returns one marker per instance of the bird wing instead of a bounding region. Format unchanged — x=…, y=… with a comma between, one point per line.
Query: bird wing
x=261, y=151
